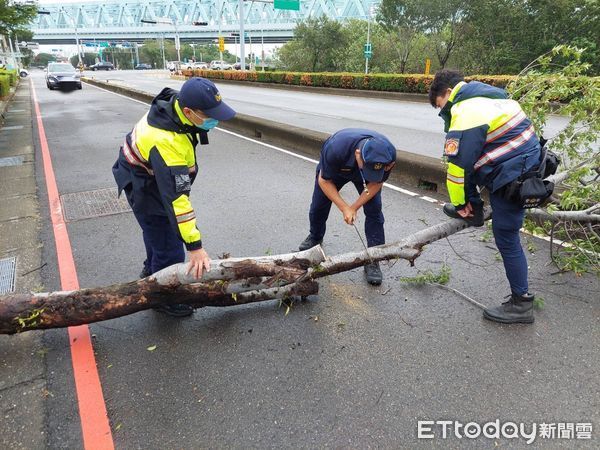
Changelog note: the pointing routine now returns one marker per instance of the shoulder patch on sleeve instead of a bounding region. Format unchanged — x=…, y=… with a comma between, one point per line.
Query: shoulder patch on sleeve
x=451, y=147
x=182, y=182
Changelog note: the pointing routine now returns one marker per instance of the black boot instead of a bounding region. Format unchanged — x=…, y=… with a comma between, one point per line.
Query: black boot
x=145, y=272
x=519, y=309
x=475, y=221
x=373, y=273
x=180, y=310
x=309, y=242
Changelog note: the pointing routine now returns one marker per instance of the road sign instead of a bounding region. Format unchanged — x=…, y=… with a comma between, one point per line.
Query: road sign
x=368, y=50
x=104, y=44
x=221, y=44
x=291, y=5
x=427, y=66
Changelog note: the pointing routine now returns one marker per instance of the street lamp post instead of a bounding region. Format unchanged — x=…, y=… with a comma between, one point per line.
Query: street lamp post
x=76, y=35
x=242, y=36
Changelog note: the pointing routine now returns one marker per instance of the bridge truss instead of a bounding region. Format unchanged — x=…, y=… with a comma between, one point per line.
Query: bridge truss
x=121, y=19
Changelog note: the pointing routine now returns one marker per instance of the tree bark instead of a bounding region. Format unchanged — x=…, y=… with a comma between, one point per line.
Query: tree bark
x=230, y=282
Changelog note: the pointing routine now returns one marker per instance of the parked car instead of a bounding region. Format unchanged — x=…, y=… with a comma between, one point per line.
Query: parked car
x=23, y=73
x=200, y=65
x=143, y=66
x=220, y=65
x=102, y=65
x=186, y=65
x=59, y=75
x=173, y=65
x=238, y=66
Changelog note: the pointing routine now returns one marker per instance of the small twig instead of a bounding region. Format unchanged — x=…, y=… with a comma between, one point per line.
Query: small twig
x=475, y=302
x=407, y=323
x=33, y=270
x=463, y=258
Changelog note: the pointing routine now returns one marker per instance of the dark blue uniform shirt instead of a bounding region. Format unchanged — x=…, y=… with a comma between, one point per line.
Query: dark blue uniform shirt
x=338, y=160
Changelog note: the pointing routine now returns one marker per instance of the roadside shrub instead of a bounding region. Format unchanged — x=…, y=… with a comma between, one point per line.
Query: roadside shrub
x=416, y=83
x=4, y=85
x=12, y=75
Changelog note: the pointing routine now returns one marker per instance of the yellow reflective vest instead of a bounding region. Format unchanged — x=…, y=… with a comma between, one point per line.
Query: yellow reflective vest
x=489, y=142
x=157, y=166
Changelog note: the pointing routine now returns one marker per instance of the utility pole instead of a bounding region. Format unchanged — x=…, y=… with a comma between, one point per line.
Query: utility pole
x=242, y=36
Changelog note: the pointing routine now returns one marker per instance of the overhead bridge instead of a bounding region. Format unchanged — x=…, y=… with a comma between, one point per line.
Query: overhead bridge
x=121, y=20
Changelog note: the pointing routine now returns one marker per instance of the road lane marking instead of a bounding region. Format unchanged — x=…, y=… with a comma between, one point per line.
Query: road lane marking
x=295, y=155
x=274, y=147
x=92, y=408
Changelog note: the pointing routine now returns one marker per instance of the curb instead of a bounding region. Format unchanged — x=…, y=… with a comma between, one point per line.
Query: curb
x=385, y=95
x=417, y=171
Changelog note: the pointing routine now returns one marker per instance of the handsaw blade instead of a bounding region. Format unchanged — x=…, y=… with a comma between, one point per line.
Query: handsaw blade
x=363, y=242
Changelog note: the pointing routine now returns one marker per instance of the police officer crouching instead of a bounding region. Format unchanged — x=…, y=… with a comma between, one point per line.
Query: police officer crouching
x=365, y=158
x=489, y=142
x=156, y=168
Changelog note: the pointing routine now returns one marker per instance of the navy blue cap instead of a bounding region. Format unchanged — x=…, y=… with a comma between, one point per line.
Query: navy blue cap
x=376, y=153
x=200, y=93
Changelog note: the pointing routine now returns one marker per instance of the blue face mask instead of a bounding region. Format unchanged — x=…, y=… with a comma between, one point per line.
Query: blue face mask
x=208, y=124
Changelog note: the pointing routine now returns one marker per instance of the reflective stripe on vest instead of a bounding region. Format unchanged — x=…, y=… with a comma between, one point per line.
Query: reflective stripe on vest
x=133, y=155
x=505, y=148
x=506, y=127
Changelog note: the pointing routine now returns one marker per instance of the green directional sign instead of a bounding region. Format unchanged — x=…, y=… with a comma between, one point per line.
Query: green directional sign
x=368, y=51
x=104, y=44
x=292, y=5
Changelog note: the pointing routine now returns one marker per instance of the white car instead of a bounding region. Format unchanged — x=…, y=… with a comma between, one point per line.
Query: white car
x=23, y=73
x=220, y=65
x=200, y=65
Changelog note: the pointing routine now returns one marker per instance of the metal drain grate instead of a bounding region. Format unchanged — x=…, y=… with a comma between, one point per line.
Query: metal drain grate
x=88, y=204
x=8, y=268
x=11, y=161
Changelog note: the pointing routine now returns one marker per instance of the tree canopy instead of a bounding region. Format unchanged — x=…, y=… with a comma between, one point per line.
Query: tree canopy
x=482, y=37
x=15, y=15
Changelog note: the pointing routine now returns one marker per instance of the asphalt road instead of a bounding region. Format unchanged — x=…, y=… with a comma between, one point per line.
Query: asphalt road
x=355, y=367
x=411, y=126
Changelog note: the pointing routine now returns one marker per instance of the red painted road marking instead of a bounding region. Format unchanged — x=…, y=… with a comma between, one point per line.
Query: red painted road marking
x=92, y=409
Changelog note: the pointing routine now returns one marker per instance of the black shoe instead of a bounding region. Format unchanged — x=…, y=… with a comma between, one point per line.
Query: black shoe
x=309, y=242
x=145, y=272
x=475, y=221
x=373, y=273
x=519, y=309
x=180, y=310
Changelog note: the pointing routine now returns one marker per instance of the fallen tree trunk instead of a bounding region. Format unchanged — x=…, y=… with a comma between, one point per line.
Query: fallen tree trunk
x=230, y=282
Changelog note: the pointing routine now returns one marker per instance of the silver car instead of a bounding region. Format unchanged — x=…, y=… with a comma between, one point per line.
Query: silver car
x=60, y=75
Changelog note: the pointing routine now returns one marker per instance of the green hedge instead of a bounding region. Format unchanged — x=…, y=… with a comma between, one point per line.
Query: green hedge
x=4, y=85
x=8, y=78
x=418, y=84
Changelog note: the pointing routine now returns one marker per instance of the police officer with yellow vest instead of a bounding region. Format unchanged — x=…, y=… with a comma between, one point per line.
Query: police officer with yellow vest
x=156, y=168
x=490, y=142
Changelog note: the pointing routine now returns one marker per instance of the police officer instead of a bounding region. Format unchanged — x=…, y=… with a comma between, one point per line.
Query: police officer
x=156, y=168
x=365, y=158
x=489, y=142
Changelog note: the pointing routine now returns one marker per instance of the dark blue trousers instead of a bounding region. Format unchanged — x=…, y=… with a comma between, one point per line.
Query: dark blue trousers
x=507, y=220
x=321, y=205
x=163, y=246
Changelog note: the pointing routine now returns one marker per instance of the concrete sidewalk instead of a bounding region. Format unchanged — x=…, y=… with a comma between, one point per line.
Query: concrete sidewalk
x=22, y=357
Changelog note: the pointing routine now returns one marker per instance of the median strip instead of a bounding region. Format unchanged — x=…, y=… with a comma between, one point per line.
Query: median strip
x=414, y=170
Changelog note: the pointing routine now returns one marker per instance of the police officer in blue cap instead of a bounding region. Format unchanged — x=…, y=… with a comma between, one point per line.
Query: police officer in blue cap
x=156, y=168
x=365, y=158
